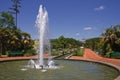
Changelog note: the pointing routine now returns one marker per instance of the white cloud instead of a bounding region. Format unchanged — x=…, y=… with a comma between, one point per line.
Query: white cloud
x=77, y=34
x=67, y=33
x=99, y=8
x=88, y=28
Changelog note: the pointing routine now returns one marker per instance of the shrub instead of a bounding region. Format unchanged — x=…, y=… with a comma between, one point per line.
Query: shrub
x=30, y=52
x=55, y=53
x=78, y=53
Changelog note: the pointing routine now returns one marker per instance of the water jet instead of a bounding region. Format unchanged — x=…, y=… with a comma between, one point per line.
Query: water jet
x=44, y=41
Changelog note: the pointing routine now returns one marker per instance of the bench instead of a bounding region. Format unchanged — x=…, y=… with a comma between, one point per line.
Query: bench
x=15, y=53
x=115, y=55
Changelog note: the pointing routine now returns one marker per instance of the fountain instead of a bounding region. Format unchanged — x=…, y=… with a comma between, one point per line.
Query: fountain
x=72, y=70
x=44, y=42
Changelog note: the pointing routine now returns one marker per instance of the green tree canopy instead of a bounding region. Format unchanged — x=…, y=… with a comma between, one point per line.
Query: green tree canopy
x=63, y=42
x=6, y=20
x=111, y=36
x=12, y=38
x=92, y=43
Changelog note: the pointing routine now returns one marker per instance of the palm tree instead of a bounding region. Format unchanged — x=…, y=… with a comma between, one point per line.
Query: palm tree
x=108, y=38
x=15, y=8
x=111, y=37
x=117, y=38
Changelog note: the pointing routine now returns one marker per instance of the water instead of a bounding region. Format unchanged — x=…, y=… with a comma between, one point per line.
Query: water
x=44, y=41
x=70, y=70
x=42, y=23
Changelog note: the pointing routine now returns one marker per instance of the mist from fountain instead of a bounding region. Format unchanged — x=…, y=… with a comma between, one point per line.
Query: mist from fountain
x=42, y=23
x=44, y=41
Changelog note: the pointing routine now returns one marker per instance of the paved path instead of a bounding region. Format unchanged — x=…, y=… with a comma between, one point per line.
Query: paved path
x=21, y=57
x=90, y=55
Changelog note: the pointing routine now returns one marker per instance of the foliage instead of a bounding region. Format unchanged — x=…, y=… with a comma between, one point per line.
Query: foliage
x=63, y=43
x=6, y=20
x=12, y=38
x=30, y=52
x=92, y=43
x=55, y=52
x=5, y=34
x=78, y=53
x=111, y=39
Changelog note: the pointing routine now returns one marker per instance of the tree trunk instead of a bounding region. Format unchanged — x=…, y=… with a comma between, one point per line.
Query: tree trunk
x=16, y=19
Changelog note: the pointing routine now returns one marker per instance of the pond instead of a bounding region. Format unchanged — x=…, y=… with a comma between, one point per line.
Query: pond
x=69, y=70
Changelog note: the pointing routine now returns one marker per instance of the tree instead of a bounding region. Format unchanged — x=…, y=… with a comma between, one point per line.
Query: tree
x=63, y=43
x=12, y=38
x=6, y=26
x=6, y=20
x=15, y=40
x=111, y=39
x=26, y=38
x=5, y=35
x=116, y=46
x=117, y=33
x=92, y=43
x=15, y=8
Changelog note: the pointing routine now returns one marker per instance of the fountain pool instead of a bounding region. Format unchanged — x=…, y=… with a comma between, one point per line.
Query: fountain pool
x=69, y=70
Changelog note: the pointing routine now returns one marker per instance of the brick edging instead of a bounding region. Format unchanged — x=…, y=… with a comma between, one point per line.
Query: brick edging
x=104, y=63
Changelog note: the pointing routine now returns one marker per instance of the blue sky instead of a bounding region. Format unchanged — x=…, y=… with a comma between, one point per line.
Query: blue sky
x=78, y=19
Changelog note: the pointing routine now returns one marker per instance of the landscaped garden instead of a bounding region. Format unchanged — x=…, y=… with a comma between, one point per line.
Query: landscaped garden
x=61, y=58
x=108, y=45
x=15, y=42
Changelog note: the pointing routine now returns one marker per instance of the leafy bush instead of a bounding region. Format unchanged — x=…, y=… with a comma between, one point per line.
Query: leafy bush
x=30, y=52
x=78, y=53
x=55, y=52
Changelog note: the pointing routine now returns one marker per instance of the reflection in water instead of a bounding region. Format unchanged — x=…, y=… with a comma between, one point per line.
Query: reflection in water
x=70, y=70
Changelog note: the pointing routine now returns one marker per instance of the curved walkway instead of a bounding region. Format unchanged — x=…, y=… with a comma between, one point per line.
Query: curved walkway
x=88, y=55
x=92, y=56
x=21, y=57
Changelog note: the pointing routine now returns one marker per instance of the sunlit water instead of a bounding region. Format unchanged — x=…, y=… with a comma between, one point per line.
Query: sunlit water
x=69, y=70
